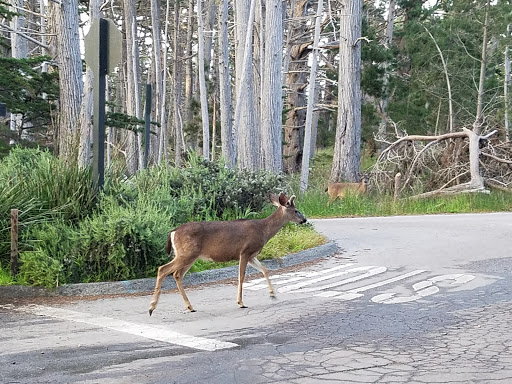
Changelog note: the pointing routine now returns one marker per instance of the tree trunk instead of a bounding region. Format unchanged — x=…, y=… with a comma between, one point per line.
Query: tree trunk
x=189, y=73
x=178, y=121
x=272, y=102
x=19, y=50
x=202, y=83
x=296, y=82
x=479, y=119
x=134, y=145
x=244, y=124
x=64, y=16
x=87, y=107
x=159, y=94
x=506, y=86
x=388, y=40
x=347, y=146
x=304, y=175
x=226, y=124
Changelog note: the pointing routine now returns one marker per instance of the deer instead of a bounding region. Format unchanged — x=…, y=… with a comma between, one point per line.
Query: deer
x=221, y=241
x=336, y=190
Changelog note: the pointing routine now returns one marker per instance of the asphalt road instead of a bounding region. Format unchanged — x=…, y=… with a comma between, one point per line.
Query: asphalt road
x=421, y=299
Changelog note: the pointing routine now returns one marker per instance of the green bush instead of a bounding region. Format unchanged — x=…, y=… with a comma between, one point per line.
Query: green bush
x=122, y=235
x=37, y=268
x=43, y=189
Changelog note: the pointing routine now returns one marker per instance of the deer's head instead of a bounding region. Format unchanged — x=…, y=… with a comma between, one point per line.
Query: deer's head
x=288, y=207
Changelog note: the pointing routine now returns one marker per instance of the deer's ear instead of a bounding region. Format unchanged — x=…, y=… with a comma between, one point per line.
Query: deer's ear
x=283, y=199
x=274, y=200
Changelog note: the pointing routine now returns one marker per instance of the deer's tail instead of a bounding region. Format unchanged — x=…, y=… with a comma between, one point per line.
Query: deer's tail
x=168, y=245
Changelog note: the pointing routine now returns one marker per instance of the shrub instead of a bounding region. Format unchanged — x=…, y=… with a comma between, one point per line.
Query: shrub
x=43, y=188
x=79, y=238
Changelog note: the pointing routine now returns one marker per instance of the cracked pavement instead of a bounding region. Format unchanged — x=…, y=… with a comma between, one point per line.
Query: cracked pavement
x=460, y=333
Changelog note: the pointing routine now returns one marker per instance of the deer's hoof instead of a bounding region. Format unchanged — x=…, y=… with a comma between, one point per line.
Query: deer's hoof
x=150, y=311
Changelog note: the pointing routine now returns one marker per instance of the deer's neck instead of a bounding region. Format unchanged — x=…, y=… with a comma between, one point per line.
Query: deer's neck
x=273, y=224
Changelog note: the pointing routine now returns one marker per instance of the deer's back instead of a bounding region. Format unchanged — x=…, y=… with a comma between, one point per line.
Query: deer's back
x=339, y=189
x=219, y=240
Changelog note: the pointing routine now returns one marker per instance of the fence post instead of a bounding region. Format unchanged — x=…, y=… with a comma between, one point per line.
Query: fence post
x=397, y=187
x=14, y=242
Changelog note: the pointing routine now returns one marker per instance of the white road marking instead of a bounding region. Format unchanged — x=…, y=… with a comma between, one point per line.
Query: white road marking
x=154, y=332
x=297, y=286
x=355, y=293
x=422, y=289
x=371, y=271
x=258, y=284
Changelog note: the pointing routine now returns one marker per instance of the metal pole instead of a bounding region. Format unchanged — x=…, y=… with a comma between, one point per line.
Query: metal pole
x=99, y=106
x=147, y=119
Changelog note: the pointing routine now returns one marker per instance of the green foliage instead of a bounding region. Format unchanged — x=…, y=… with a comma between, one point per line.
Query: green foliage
x=314, y=202
x=43, y=189
x=5, y=276
x=77, y=238
x=37, y=268
x=5, y=12
x=28, y=91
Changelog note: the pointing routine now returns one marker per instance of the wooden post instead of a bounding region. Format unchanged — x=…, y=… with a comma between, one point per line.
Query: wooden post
x=397, y=186
x=14, y=242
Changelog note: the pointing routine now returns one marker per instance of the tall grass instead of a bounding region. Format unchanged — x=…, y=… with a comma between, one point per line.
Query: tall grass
x=314, y=202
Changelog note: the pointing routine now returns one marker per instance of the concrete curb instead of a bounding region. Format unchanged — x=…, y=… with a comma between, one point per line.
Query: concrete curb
x=147, y=285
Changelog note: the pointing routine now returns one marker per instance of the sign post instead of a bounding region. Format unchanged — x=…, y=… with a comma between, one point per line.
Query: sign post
x=102, y=55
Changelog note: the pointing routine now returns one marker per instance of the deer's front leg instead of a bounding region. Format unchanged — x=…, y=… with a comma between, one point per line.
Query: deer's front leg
x=254, y=262
x=241, y=277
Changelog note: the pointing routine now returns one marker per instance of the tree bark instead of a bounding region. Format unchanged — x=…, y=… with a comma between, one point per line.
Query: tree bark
x=304, y=175
x=347, y=146
x=202, y=83
x=226, y=124
x=272, y=102
x=388, y=40
x=19, y=50
x=506, y=86
x=134, y=145
x=479, y=119
x=159, y=94
x=178, y=121
x=64, y=16
x=87, y=107
x=244, y=124
x=298, y=51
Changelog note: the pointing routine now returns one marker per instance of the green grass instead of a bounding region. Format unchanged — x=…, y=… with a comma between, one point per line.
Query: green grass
x=5, y=277
x=313, y=203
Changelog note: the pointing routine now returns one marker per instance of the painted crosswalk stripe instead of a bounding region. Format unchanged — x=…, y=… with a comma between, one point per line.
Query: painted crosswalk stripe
x=154, y=332
x=355, y=293
x=371, y=272
x=292, y=277
x=303, y=284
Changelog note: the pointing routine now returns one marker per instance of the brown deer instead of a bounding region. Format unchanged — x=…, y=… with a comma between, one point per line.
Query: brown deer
x=336, y=190
x=220, y=241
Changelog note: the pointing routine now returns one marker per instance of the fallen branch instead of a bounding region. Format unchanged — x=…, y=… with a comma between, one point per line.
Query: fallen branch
x=496, y=158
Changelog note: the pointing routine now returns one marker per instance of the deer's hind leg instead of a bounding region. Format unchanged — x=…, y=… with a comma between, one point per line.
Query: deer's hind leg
x=254, y=262
x=178, y=276
x=178, y=272
x=163, y=271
